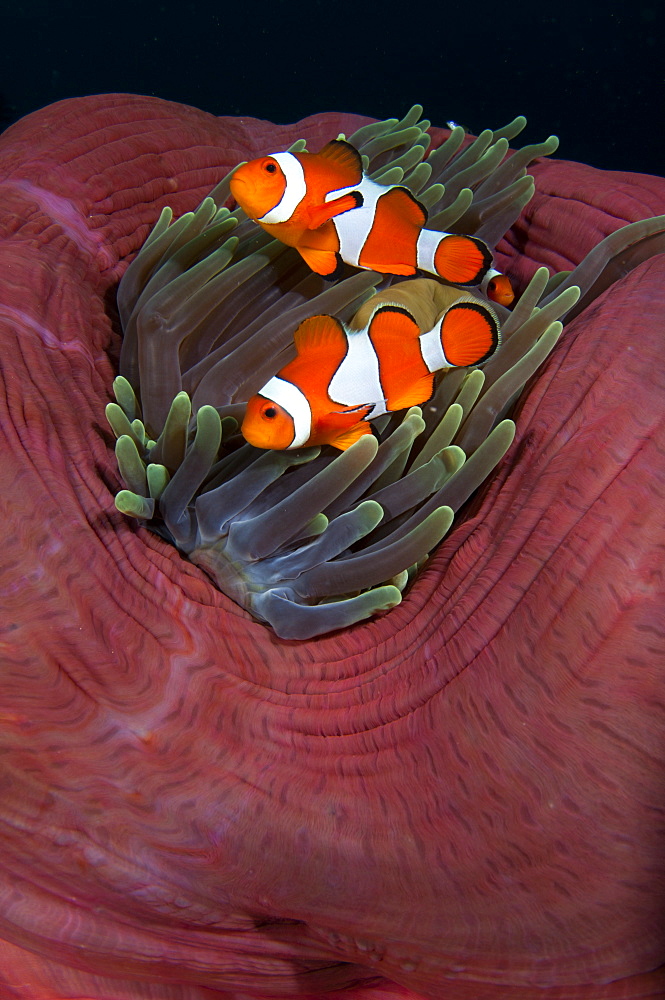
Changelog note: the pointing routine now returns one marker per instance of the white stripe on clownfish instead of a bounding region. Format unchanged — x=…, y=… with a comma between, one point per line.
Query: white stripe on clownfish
x=426, y=247
x=431, y=349
x=294, y=191
x=295, y=402
x=353, y=227
x=361, y=362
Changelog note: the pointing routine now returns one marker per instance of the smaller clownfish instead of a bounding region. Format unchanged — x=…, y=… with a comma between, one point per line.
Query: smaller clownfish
x=332, y=213
x=384, y=360
x=498, y=288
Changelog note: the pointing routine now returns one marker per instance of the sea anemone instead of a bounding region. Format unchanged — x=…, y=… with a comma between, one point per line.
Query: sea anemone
x=462, y=795
x=208, y=317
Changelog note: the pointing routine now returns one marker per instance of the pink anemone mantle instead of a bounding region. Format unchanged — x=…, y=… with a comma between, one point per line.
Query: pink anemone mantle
x=462, y=799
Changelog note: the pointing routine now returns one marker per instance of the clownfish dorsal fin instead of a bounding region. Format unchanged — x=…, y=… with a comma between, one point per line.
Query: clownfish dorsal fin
x=407, y=204
x=320, y=334
x=345, y=155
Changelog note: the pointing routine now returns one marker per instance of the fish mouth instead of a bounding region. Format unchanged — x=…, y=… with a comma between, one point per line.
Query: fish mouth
x=237, y=178
x=237, y=184
x=253, y=437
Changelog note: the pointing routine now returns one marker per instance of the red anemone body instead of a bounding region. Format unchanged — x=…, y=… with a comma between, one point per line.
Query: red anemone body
x=461, y=799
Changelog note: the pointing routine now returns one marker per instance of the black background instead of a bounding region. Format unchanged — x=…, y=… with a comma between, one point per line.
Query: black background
x=591, y=75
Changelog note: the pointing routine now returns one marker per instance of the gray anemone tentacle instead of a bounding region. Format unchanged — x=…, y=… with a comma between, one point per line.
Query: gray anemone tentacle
x=312, y=540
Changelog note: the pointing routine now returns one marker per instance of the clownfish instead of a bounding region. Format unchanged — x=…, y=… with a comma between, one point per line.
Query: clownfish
x=332, y=213
x=383, y=360
x=498, y=288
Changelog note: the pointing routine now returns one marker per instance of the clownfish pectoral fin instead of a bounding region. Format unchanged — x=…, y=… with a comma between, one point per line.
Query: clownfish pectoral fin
x=320, y=214
x=349, y=437
x=325, y=262
x=469, y=334
x=344, y=155
x=463, y=260
x=414, y=394
x=320, y=334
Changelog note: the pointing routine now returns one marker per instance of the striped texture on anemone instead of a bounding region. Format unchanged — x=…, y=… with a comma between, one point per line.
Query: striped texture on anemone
x=467, y=790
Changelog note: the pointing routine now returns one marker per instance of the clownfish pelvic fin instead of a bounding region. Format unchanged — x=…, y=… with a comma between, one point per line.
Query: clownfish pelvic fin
x=347, y=438
x=327, y=263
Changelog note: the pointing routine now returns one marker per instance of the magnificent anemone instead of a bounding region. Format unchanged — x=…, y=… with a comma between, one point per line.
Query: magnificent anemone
x=465, y=791
x=208, y=317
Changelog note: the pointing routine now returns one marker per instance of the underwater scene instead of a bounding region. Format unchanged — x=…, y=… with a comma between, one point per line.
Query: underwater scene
x=331, y=602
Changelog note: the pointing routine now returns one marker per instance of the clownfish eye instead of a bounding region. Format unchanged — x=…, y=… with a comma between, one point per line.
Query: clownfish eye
x=270, y=167
x=270, y=412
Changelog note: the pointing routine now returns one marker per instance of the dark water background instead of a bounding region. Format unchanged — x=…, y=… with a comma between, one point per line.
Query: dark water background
x=591, y=74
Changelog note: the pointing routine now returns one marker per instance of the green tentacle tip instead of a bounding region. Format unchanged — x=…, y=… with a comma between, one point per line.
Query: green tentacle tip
x=131, y=465
x=229, y=426
x=130, y=503
x=118, y=421
x=316, y=526
x=126, y=397
x=209, y=425
x=139, y=432
x=181, y=406
x=158, y=479
x=385, y=598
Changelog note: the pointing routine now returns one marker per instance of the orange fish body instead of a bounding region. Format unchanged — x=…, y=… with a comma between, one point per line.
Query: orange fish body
x=331, y=212
x=498, y=288
x=383, y=360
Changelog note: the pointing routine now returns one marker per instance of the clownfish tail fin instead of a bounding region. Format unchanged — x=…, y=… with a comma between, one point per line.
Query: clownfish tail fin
x=462, y=260
x=469, y=334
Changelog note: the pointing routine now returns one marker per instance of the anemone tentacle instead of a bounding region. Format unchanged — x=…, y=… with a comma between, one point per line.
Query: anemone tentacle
x=213, y=314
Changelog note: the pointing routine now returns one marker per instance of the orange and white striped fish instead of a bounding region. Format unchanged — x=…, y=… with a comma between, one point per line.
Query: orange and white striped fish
x=331, y=212
x=498, y=288
x=383, y=360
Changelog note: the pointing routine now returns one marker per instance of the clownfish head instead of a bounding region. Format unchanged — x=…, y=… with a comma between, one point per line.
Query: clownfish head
x=258, y=186
x=268, y=425
x=499, y=289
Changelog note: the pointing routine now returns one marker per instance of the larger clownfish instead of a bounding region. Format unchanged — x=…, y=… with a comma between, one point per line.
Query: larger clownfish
x=331, y=212
x=384, y=360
